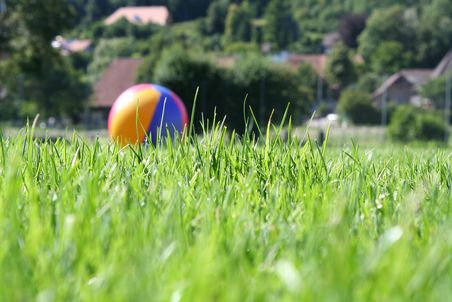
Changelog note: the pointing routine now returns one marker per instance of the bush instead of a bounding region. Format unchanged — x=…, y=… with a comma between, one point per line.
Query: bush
x=106, y=51
x=242, y=48
x=358, y=108
x=182, y=71
x=409, y=124
x=223, y=90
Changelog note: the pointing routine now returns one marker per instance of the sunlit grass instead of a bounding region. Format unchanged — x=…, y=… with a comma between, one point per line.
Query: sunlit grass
x=223, y=218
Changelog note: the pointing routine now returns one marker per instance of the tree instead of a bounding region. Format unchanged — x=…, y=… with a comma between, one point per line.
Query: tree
x=269, y=87
x=390, y=24
x=47, y=81
x=389, y=57
x=89, y=11
x=308, y=81
x=280, y=29
x=216, y=15
x=350, y=27
x=146, y=70
x=340, y=70
x=409, y=124
x=95, y=10
x=60, y=92
x=435, y=90
x=106, y=51
x=27, y=36
x=358, y=108
x=435, y=32
x=367, y=82
x=238, y=23
x=183, y=72
x=184, y=10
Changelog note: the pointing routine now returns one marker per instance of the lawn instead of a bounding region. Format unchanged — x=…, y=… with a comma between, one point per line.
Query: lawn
x=221, y=219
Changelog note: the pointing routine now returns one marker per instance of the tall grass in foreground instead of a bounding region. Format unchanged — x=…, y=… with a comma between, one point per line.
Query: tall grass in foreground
x=219, y=219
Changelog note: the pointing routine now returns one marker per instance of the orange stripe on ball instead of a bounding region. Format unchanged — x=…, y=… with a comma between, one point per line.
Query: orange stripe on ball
x=126, y=114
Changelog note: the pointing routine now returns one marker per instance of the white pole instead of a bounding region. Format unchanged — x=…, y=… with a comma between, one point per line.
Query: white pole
x=384, y=111
x=319, y=89
x=384, y=108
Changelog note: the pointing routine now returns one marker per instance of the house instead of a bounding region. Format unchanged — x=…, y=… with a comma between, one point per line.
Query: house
x=69, y=46
x=317, y=61
x=159, y=15
x=329, y=41
x=444, y=66
x=402, y=87
x=119, y=76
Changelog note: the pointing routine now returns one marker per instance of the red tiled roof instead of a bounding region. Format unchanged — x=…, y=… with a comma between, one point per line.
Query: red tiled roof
x=225, y=62
x=141, y=15
x=76, y=45
x=317, y=61
x=119, y=76
x=68, y=46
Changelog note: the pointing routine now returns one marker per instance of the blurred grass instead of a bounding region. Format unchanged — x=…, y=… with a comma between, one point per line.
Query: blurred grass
x=223, y=219
x=339, y=136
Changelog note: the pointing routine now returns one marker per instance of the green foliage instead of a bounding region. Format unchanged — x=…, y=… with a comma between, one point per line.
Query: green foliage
x=27, y=37
x=120, y=29
x=184, y=10
x=358, y=108
x=391, y=24
x=145, y=72
x=280, y=28
x=435, y=89
x=309, y=42
x=422, y=27
x=308, y=81
x=410, y=124
x=350, y=28
x=367, y=82
x=389, y=57
x=106, y=51
x=80, y=60
x=269, y=88
x=340, y=69
x=184, y=72
x=399, y=33
x=216, y=15
x=241, y=47
x=60, y=91
x=124, y=28
x=318, y=16
x=435, y=32
x=36, y=77
x=223, y=90
x=238, y=23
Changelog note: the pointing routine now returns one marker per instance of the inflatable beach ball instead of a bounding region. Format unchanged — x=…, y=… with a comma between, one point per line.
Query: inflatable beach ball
x=139, y=112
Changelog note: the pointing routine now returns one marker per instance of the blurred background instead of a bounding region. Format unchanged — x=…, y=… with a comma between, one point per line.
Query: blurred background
x=366, y=67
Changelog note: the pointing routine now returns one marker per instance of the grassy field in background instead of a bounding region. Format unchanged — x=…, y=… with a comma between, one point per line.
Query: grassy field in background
x=216, y=219
x=367, y=136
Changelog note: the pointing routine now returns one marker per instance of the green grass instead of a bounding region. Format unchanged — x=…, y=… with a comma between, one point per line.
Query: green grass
x=221, y=219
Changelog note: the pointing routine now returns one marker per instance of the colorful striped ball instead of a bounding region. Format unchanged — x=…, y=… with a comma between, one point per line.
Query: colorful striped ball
x=151, y=102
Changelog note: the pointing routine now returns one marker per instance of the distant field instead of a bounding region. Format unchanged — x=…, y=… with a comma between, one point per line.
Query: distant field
x=223, y=220
x=339, y=136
